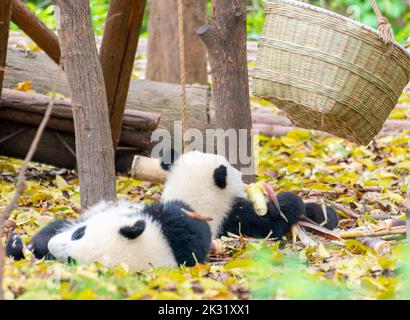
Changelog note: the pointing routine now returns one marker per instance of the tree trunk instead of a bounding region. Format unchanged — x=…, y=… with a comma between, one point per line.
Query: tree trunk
x=45, y=38
x=225, y=39
x=163, y=54
x=95, y=153
x=5, y=14
x=117, y=55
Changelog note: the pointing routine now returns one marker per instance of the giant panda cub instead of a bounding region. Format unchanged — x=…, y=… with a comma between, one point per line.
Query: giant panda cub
x=113, y=233
x=213, y=188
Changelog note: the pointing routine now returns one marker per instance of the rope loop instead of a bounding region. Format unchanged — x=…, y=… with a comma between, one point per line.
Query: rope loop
x=384, y=27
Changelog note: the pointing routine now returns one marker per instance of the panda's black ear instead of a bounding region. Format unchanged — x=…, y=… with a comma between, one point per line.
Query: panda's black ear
x=132, y=232
x=168, y=159
x=220, y=175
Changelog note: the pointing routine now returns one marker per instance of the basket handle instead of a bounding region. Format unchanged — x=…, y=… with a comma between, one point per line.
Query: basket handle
x=384, y=27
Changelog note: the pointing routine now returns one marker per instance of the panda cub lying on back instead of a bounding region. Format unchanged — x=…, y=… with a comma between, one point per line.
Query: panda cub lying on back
x=213, y=188
x=114, y=233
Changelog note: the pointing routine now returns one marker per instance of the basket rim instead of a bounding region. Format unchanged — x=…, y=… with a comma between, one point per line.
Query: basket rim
x=311, y=7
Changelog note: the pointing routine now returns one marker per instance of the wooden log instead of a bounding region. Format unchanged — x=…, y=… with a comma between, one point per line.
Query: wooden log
x=50, y=149
x=393, y=125
x=129, y=137
x=45, y=38
x=37, y=103
x=117, y=55
x=5, y=14
x=56, y=147
x=94, y=150
x=225, y=39
x=144, y=95
x=34, y=119
x=148, y=169
x=280, y=131
x=273, y=125
x=271, y=130
x=145, y=121
x=270, y=119
x=138, y=139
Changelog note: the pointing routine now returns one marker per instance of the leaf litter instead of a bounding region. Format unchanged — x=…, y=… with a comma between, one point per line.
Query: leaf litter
x=365, y=258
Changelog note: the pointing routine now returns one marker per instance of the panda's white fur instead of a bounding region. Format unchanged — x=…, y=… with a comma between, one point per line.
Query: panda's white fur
x=191, y=181
x=102, y=241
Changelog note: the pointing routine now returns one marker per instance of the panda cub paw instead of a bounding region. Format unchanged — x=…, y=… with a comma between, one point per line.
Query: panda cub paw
x=14, y=247
x=315, y=212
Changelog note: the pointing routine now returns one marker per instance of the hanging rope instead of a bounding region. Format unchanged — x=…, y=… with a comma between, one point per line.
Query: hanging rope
x=384, y=27
x=181, y=40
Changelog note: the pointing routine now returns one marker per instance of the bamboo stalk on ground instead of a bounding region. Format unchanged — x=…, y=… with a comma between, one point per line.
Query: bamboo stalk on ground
x=377, y=244
x=364, y=232
x=340, y=207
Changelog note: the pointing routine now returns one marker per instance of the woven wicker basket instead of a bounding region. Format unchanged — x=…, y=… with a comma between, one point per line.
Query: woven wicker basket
x=328, y=72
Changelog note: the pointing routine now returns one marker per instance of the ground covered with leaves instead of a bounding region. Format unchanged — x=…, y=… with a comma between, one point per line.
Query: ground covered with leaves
x=368, y=182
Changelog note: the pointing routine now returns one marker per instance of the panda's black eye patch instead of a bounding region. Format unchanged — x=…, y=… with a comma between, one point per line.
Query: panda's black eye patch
x=78, y=234
x=220, y=174
x=134, y=231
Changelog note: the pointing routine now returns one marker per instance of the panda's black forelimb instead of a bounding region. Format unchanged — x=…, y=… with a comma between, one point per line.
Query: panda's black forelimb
x=14, y=247
x=244, y=220
x=189, y=238
x=39, y=242
x=315, y=212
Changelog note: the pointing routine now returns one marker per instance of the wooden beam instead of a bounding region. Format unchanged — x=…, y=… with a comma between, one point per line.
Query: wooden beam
x=37, y=103
x=144, y=95
x=5, y=13
x=45, y=38
x=56, y=147
x=129, y=137
x=117, y=55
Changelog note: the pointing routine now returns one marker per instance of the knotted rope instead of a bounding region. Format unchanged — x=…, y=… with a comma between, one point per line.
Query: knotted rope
x=384, y=27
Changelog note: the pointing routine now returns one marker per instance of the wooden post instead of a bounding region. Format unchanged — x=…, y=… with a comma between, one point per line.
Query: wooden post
x=45, y=38
x=163, y=54
x=225, y=39
x=117, y=55
x=5, y=13
x=95, y=154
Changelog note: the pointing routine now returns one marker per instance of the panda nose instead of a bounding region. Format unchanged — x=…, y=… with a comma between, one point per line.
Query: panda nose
x=71, y=261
